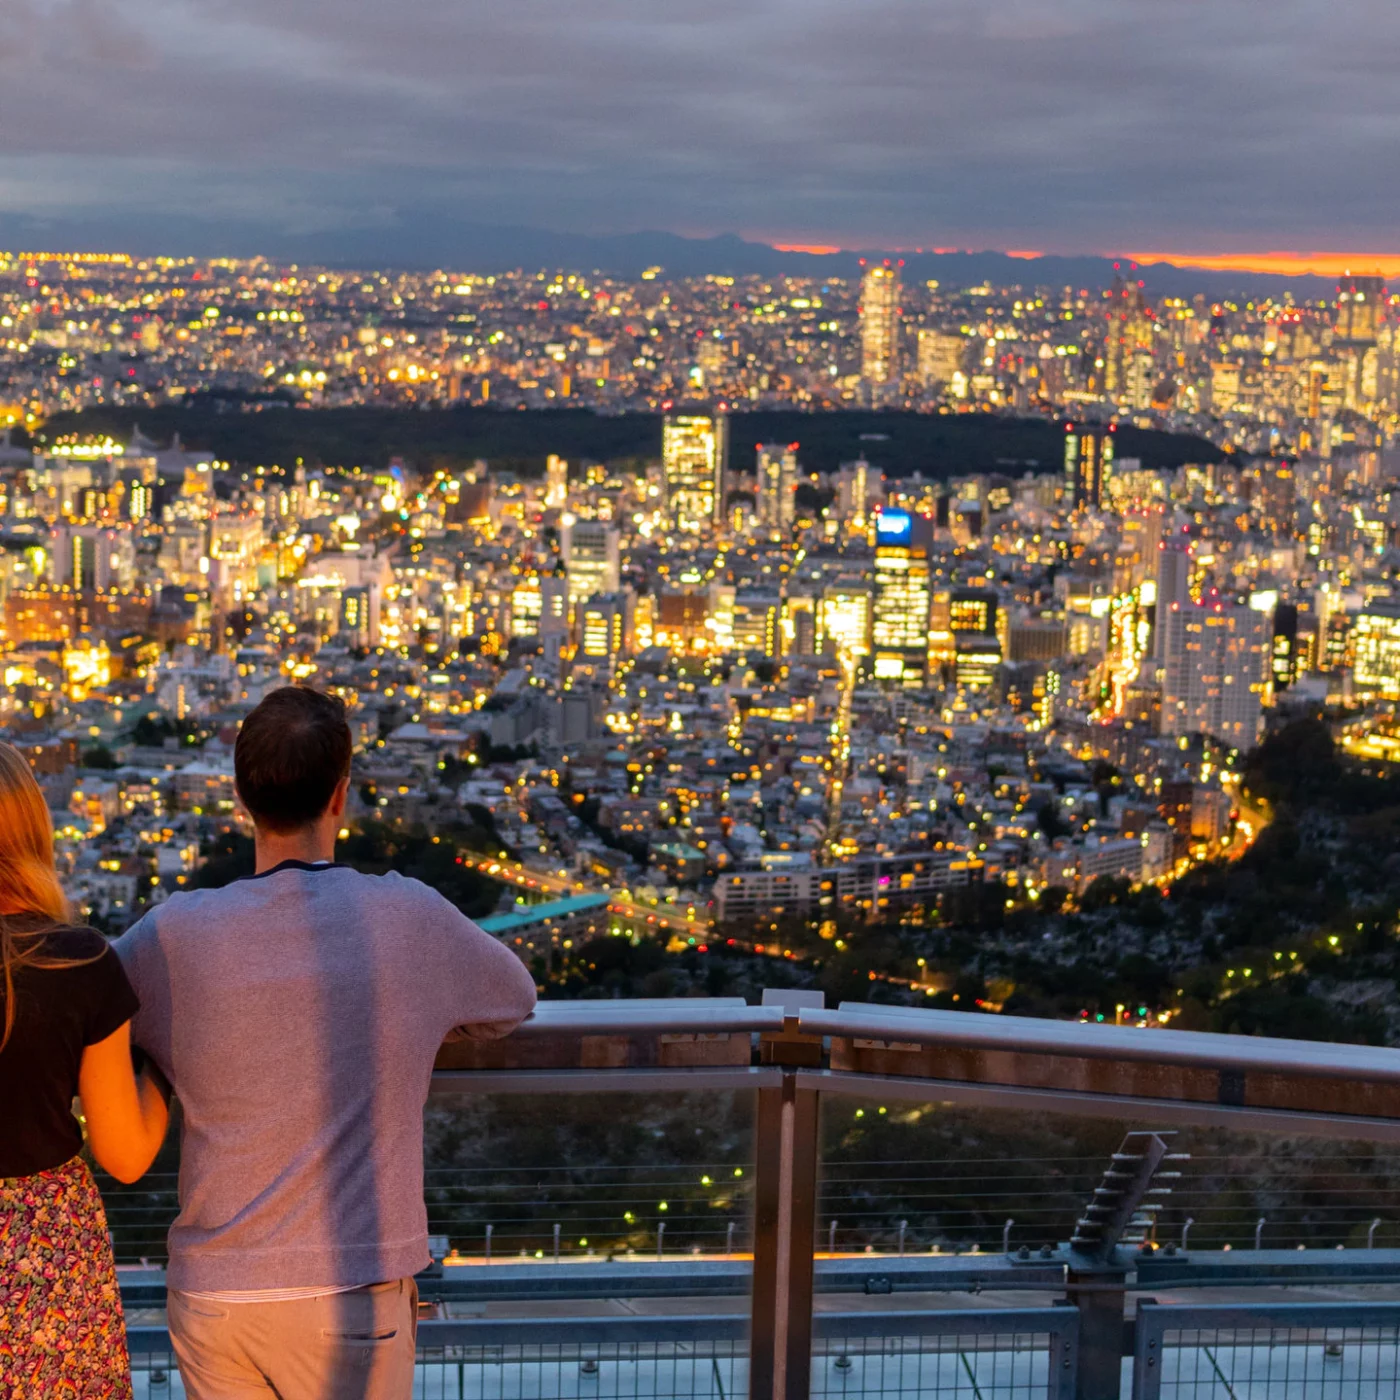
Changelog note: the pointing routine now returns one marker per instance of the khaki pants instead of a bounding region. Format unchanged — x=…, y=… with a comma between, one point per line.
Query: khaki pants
x=341, y=1346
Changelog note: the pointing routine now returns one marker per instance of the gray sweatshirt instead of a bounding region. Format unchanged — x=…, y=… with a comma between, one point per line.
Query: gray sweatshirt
x=297, y=1015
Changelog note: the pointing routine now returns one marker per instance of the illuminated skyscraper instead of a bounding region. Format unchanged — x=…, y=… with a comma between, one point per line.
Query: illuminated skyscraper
x=591, y=561
x=843, y=617
x=1217, y=670
x=1375, y=639
x=605, y=626
x=85, y=556
x=1360, y=302
x=757, y=625
x=1088, y=464
x=526, y=606
x=539, y=606
x=900, y=614
x=857, y=484
x=777, y=483
x=694, y=458
x=556, y=489
x=1173, y=587
x=1285, y=660
x=1128, y=330
x=879, y=325
x=940, y=357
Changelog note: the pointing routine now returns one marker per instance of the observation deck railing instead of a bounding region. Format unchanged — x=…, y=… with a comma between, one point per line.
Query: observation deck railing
x=1090, y=1333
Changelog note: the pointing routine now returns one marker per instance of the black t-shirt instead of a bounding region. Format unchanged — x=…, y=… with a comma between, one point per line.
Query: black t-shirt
x=58, y=1012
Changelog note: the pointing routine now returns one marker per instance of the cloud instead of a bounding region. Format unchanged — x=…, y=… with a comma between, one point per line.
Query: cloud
x=1063, y=124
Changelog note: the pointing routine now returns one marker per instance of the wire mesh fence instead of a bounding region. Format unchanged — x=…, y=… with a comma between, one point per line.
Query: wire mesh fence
x=980, y=1355
x=154, y=1374
x=664, y=1368
x=972, y=1364
x=1333, y=1351
x=660, y=1370
x=1289, y=1352
x=629, y=1371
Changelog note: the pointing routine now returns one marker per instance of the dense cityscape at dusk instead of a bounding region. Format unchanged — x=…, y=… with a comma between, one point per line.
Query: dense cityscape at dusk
x=1263, y=375
x=683, y=698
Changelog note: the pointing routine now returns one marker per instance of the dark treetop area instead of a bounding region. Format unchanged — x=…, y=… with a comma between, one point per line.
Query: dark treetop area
x=900, y=443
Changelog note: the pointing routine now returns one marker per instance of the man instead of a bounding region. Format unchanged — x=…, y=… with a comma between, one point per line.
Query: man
x=296, y=1013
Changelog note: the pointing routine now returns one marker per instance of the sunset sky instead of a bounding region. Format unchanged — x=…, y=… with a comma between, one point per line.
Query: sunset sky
x=1066, y=125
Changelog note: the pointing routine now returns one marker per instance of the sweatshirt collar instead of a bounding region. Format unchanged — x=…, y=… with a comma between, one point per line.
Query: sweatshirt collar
x=312, y=866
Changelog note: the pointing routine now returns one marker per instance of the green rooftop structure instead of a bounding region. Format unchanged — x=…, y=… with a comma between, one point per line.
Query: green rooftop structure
x=535, y=916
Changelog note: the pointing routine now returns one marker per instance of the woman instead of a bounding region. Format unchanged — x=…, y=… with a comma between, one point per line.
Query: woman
x=65, y=1031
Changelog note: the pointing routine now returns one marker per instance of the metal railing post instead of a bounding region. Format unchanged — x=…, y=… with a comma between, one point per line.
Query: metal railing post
x=1147, y=1351
x=1098, y=1294
x=785, y=1212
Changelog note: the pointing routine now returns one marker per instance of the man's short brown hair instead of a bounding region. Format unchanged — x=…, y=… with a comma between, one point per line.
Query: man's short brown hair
x=290, y=754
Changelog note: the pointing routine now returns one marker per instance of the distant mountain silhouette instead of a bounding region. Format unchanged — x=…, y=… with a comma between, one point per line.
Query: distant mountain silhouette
x=428, y=238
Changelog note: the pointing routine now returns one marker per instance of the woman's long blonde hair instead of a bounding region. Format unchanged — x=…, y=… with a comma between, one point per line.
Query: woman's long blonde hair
x=32, y=901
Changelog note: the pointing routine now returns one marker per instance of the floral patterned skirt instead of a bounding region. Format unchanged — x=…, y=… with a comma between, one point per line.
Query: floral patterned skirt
x=61, y=1329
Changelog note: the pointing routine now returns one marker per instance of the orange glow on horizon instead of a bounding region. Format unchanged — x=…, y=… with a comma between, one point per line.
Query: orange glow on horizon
x=818, y=248
x=1024, y=253
x=1283, y=264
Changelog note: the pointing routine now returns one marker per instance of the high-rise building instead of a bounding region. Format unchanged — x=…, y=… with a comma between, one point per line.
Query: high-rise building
x=710, y=358
x=554, y=605
x=757, y=626
x=355, y=617
x=843, y=617
x=975, y=620
x=879, y=325
x=539, y=606
x=777, y=483
x=1360, y=304
x=1173, y=587
x=900, y=613
x=1218, y=657
x=1224, y=385
x=526, y=607
x=857, y=485
x=606, y=625
x=86, y=556
x=1375, y=640
x=1128, y=330
x=800, y=624
x=940, y=356
x=1284, y=662
x=694, y=461
x=965, y=634
x=591, y=557
x=556, y=483
x=1088, y=464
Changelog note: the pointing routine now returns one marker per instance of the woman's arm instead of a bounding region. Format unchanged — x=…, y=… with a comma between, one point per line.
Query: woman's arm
x=126, y=1116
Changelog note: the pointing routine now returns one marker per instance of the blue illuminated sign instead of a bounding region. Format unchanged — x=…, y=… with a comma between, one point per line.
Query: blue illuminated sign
x=894, y=527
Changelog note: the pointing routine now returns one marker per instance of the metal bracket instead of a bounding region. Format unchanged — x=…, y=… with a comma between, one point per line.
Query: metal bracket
x=1120, y=1212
